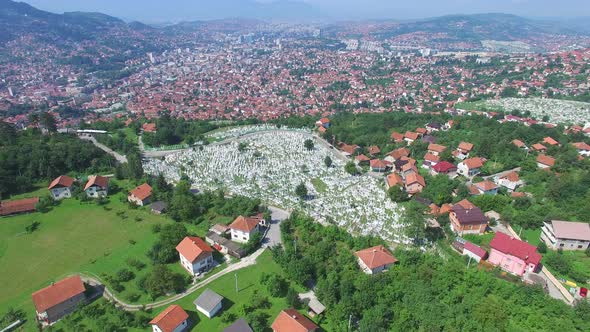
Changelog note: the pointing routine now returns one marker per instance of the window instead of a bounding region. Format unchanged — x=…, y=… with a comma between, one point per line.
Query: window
x=580, y=246
x=561, y=245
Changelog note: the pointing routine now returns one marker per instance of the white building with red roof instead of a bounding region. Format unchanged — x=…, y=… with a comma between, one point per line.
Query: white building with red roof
x=140, y=195
x=172, y=319
x=59, y=299
x=290, y=320
x=243, y=228
x=196, y=256
x=61, y=187
x=375, y=259
x=97, y=186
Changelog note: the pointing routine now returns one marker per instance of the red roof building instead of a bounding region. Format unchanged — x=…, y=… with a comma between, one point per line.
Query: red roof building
x=444, y=167
x=59, y=299
x=290, y=320
x=544, y=161
x=195, y=254
x=19, y=206
x=173, y=318
x=62, y=181
x=513, y=255
x=243, y=228
x=140, y=195
x=375, y=259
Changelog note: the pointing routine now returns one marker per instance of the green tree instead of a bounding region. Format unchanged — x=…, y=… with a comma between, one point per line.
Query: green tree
x=301, y=191
x=351, y=168
x=328, y=161
x=398, y=194
x=48, y=122
x=309, y=144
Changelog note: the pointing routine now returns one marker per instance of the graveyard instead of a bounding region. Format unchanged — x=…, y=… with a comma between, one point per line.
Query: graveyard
x=268, y=163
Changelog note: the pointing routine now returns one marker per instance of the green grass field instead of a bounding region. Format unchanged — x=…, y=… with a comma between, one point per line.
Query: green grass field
x=71, y=238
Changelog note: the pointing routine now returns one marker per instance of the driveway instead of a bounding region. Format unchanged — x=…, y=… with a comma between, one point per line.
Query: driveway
x=273, y=236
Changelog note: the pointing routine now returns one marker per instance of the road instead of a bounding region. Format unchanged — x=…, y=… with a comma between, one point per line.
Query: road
x=517, y=169
x=273, y=236
x=120, y=158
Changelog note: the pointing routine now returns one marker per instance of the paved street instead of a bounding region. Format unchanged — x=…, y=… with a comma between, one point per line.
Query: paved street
x=273, y=236
x=120, y=158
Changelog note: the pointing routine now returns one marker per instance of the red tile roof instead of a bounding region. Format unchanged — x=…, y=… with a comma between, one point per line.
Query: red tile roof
x=149, y=127
x=97, y=180
x=57, y=293
x=411, y=135
x=377, y=163
x=142, y=192
x=486, y=185
x=539, y=147
x=169, y=319
x=376, y=257
x=244, y=224
x=398, y=153
x=466, y=147
x=61, y=181
x=581, y=146
x=397, y=137
x=374, y=149
x=290, y=320
x=362, y=158
x=444, y=167
x=415, y=178
x=512, y=177
x=518, y=143
x=550, y=141
x=473, y=163
x=18, y=206
x=545, y=160
x=512, y=246
x=436, y=147
x=478, y=251
x=192, y=248
x=432, y=158
x=394, y=179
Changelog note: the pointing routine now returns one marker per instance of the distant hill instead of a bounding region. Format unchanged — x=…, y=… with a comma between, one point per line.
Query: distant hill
x=479, y=27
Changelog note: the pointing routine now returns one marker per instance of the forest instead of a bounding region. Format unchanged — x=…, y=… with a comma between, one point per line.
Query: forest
x=28, y=157
x=424, y=292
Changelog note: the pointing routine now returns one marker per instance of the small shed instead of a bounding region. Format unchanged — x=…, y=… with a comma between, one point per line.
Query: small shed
x=239, y=326
x=208, y=303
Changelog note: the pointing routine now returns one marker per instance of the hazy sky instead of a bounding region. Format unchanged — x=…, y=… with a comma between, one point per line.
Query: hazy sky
x=165, y=10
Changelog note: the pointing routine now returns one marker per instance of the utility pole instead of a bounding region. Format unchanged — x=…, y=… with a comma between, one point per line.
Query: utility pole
x=349, y=321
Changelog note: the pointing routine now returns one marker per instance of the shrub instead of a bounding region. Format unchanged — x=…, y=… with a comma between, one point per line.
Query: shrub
x=542, y=248
x=136, y=263
x=125, y=275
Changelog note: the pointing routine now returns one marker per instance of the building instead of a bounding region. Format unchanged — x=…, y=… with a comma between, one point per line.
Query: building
x=208, y=303
x=545, y=162
x=470, y=167
x=513, y=255
x=410, y=137
x=397, y=137
x=59, y=299
x=224, y=245
x=394, y=179
x=149, y=127
x=475, y=252
x=467, y=218
x=375, y=259
x=239, y=326
x=243, y=228
x=444, y=167
x=373, y=150
x=583, y=148
x=26, y=205
x=61, y=187
x=141, y=195
x=485, y=188
x=550, y=141
x=414, y=183
x=172, y=319
x=510, y=181
x=436, y=149
x=323, y=122
x=378, y=165
x=430, y=160
x=196, y=256
x=290, y=320
x=463, y=150
x=539, y=147
x=158, y=207
x=566, y=235
x=97, y=186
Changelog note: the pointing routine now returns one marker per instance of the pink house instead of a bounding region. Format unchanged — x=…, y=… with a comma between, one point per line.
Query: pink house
x=513, y=255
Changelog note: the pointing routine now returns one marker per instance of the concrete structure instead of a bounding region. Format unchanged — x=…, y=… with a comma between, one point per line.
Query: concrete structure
x=172, y=319
x=196, y=256
x=208, y=303
x=375, y=259
x=97, y=186
x=59, y=299
x=513, y=255
x=566, y=235
x=61, y=187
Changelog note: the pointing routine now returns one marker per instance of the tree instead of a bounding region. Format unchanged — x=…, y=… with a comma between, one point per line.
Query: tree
x=397, y=194
x=293, y=298
x=134, y=166
x=161, y=281
x=542, y=247
x=328, y=161
x=351, y=168
x=301, y=191
x=48, y=122
x=309, y=144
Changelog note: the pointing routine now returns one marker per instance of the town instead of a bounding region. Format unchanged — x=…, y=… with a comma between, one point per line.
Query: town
x=238, y=175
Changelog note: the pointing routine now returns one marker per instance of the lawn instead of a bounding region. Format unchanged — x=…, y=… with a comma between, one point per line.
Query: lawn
x=532, y=236
x=71, y=238
x=319, y=185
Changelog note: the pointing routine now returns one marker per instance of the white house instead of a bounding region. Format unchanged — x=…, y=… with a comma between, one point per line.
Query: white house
x=61, y=187
x=141, y=195
x=583, y=148
x=544, y=161
x=375, y=259
x=208, y=303
x=172, y=319
x=510, y=181
x=470, y=167
x=566, y=235
x=97, y=186
x=196, y=255
x=243, y=228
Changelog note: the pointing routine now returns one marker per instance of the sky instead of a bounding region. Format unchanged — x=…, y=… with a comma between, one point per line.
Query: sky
x=176, y=10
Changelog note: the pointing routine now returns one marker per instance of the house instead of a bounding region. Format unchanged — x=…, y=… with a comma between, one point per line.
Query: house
x=375, y=259
x=348, y=150
x=444, y=167
x=486, y=188
x=545, y=162
x=434, y=126
x=149, y=127
x=470, y=167
x=467, y=218
x=323, y=122
x=208, y=303
x=61, y=187
x=361, y=159
x=550, y=141
x=219, y=229
x=513, y=255
x=393, y=180
x=463, y=150
x=519, y=144
x=224, y=245
x=414, y=183
x=397, y=137
x=158, y=207
x=18, y=206
x=243, y=228
x=408, y=169
x=172, y=319
x=196, y=256
x=566, y=235
x=239, y=326
x=97, y=186
x=510, y=181
x=583, y=148
x=421, y=131
x=436, y=149
x=397, y=154
x=539, y=148
x=474, y=251
x=430, y=160
x=141, y=195
x=290, y=320
x=373, y=150
x=378, y=165
x=59, y=299
x=410, y=137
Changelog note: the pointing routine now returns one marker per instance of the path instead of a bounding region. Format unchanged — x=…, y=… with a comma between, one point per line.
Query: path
x=120, y=158
x=273, y=236
x=244, y=262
